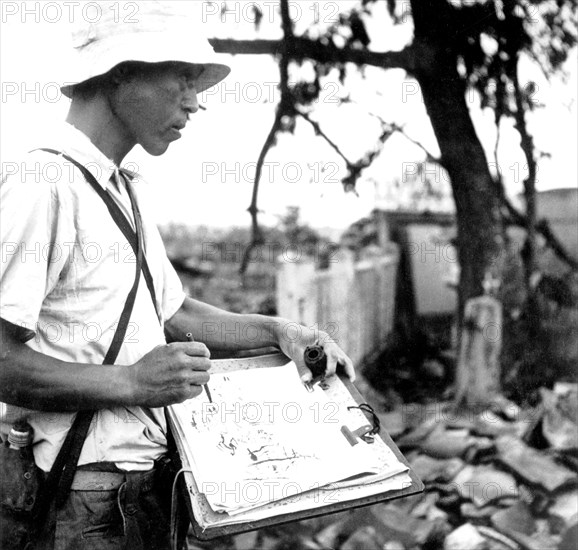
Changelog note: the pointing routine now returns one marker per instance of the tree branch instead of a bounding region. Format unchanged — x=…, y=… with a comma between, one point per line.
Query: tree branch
x=393, y=127
x=543, y=227
x=320, y=132
x=316, y=50
x=256, y=235
x=284, y=108
x=519, y=219
x=527, y=145
x=429, y=156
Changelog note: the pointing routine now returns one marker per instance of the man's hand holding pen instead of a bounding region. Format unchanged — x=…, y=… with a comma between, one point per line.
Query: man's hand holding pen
x=206, y=386
x=168, y=374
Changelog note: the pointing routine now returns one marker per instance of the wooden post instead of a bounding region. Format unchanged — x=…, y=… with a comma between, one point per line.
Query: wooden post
x=478, y=369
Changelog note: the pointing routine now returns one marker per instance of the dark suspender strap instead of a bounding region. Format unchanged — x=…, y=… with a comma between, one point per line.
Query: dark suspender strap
x=118, y=217
x=59, y=480
x=83, y=419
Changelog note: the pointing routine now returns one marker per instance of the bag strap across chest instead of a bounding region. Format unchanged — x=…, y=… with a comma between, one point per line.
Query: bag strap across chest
x=59, y=480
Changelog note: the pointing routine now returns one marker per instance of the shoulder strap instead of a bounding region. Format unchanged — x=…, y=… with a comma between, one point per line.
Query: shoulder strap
x=61, y=475
x=119, y=218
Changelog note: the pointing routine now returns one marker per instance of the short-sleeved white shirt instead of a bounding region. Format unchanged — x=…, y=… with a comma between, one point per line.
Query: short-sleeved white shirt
x=65, y=273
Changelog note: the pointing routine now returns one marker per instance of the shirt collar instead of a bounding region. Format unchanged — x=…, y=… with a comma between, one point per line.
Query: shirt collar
x=77, y=144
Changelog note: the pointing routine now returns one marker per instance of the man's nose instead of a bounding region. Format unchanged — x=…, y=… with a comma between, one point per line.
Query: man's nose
x=190, y=101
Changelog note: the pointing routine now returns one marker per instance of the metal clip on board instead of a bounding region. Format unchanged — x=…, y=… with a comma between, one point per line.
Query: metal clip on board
x=368, y=431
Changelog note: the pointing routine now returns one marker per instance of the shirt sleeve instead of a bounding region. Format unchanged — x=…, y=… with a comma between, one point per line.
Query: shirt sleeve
x=36, y=236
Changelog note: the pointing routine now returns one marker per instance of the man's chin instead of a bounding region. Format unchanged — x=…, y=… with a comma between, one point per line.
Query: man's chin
x=157, y=149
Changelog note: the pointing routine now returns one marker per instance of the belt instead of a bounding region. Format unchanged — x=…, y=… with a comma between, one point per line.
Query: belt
x=87, y=480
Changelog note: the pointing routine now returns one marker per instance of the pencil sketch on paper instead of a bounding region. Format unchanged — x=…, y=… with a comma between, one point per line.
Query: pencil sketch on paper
x=261, y=434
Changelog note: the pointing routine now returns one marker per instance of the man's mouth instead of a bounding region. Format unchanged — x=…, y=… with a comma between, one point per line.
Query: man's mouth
x=176, y=130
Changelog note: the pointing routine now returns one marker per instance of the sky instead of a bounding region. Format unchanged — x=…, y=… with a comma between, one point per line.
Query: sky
x=205, y=178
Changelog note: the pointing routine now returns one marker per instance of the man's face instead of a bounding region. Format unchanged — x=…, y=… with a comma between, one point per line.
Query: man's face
x=154, y=103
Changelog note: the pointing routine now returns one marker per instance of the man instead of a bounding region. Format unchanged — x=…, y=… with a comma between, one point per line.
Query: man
x=138, y=84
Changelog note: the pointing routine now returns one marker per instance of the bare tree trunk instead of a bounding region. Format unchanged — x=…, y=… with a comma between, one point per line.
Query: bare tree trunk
x=479, y=218
x=480, y=236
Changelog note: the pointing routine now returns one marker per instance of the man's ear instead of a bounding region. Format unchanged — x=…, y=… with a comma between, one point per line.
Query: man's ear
x=119, y=74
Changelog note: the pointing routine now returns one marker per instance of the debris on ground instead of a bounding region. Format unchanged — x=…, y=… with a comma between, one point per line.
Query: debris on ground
x=502, y=478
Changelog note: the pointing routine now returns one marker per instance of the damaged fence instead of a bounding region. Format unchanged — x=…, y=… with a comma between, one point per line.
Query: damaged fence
x=353, y=301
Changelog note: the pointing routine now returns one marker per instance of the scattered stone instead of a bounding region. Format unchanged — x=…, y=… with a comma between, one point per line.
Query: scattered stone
x=498, y=539
x=268, y=543
x=438, y=515
x=394, y=524
x=449, y=500
x=312, y=525
x=526, y=495
x=419, y=434
x=246, y=541
x=564, y=511
x=414, y=416
x=536, y=497
x=307, y=543
x=297, y=542
x=482, y=447
x=393, y=545
x=516, y=519
x=538, y=541
x=563, y=388
x=365, y=537
x=490, y=424
x=442, y=443
x=505, y=408
x=327, y=537
x=458, y=418
x=423, y=507
x=507, y=502
x=432, y=469
x=570, y=539
x=517, y=523
x=531, y=465
x=393, y=422
x=484, y=484
x=407, y=505
x=530, y=420
x=559, y=425
x=465, y=536
x=568, y=458
x=471, y=512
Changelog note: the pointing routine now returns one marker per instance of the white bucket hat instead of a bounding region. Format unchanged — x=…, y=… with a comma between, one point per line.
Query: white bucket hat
x=150, y=32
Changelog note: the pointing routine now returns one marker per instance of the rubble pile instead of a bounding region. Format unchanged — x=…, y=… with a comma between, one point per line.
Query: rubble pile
x=499, y=479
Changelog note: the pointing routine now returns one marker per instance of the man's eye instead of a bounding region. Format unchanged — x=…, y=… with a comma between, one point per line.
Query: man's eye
x=187, y=82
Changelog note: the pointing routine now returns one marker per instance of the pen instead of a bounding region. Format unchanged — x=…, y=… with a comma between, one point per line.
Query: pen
x=206, y=386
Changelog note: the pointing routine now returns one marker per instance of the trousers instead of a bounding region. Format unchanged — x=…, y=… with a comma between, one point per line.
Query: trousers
x=132, y=516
